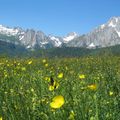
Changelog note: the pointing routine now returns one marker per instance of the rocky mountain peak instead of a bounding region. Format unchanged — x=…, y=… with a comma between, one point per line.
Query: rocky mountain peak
x=114, y=22
x=8, y=31
x=105, y=35
x=70, y=36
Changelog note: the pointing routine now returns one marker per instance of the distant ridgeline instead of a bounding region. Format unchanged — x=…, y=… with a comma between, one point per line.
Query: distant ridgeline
x=12, y=50
x=104, y=39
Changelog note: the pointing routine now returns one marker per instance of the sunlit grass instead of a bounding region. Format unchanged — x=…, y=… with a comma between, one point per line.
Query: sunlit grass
x=60, y=89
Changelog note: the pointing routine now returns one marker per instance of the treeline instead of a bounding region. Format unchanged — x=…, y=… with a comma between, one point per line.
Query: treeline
x=19, y=51
x=76, y=52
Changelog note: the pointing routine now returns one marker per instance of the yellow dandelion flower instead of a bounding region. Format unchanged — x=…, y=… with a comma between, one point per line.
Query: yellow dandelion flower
x=5, y=75
x=60, y=75
x=57, y=102
x=0, y=118
x=30, y=62
x=110, y=93
x=47, y=79
x=18, y=64
x=92, y=87
x=44, y=61
x=32, y=90
x=8, y=65
x=51, y=81
x=51, y=88
x=46, y=65
x=56, y=85
x=82, y=76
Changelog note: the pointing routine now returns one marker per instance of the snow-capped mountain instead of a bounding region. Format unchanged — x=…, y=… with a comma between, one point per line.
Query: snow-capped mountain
x=103, y=36
x=56, y=40
x=8, y=31
x=107, y=34
x=28, y=38
x=32, y=39
x=70, y=37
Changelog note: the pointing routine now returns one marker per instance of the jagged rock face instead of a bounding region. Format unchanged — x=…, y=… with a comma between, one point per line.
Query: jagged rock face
x=103, y=36
x=29, y=38
x=70, y=37
x=32, y=37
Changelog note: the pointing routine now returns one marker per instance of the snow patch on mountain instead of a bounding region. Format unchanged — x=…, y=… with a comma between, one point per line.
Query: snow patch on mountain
x=28, y=47
x=91, y=46
x=8, y=31
x=43, y=43
x=102, y=26
x=118, y=33
x=70, y=37
x=21, y=37
x=56, y=40
x=111, y=24
x=116, y=20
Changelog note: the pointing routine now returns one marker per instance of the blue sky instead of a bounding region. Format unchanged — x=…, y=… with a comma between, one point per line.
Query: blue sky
x=58, y=17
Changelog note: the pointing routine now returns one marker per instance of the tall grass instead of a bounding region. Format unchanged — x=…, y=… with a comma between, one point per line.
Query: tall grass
x=25, y=92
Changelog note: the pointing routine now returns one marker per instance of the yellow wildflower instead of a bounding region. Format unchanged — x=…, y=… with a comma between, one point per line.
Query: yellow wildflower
x=46, y=65
x=30, y=62
x=60, y=75
x=8, y=65
x=57, y=102
x=32, y=90
x=5, y=75
x=44, y=61
x=47, y=79
x=92, y=87
x=53, y=86
x=110, y=93
x=18, y=64
x=82, y=76
x=0, y=118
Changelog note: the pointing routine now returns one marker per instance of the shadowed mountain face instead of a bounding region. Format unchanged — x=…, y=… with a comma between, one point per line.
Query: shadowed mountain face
x=103, y=36
x=11, y=49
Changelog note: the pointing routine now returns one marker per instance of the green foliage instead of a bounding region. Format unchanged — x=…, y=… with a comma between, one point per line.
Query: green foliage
x=75, y=52
x=89, y=85
x=10, y=49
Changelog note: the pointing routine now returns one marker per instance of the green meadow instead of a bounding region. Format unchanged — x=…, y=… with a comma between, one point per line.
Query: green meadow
x=84, y=88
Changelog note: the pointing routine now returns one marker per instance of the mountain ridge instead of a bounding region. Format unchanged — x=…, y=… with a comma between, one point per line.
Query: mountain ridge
x=104, y=35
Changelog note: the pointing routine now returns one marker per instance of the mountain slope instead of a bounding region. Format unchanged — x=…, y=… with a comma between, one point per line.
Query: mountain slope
x=104, y=35
x=75, y=52
x=11, y=49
